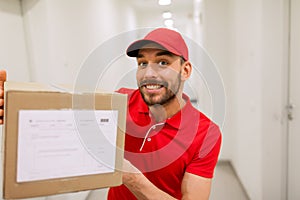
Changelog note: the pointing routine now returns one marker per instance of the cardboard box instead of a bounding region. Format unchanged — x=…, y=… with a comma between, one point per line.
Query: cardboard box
x=24, y=97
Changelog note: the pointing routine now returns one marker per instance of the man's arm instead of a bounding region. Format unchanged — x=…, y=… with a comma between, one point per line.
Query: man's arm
x=140, y=186
x=2, y=80
x=193, y=187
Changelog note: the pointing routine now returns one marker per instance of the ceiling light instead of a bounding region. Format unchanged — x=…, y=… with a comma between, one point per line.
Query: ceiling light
x=164, y=2
x=169, y=23
x=167, y=15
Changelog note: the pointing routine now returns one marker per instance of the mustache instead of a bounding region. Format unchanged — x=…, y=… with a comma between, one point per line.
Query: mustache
x=153, y=82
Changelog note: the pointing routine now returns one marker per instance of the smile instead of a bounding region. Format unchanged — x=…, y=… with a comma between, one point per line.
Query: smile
x=153, y=86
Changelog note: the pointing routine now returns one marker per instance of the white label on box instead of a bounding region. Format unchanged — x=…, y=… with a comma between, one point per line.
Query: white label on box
x=65, y=143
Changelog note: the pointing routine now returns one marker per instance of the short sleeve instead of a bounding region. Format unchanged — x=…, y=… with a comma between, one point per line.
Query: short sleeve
x=205, y=159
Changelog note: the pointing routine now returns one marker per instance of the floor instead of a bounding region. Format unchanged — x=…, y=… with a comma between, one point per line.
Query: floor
x=226, y=185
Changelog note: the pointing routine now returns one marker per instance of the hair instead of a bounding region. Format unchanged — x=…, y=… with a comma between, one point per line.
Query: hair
x=182, y=60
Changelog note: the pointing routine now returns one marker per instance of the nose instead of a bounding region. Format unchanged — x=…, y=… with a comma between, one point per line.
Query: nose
x=150, y=71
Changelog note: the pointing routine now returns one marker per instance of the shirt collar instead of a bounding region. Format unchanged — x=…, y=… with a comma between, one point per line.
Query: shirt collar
x=180, y=119
x=177, y=121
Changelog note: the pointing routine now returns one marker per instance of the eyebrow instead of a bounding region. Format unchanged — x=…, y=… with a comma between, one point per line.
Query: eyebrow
x=161, y=53
x=165, y=53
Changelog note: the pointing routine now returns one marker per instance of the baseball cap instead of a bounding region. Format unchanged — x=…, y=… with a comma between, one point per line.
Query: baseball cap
x=170, y=40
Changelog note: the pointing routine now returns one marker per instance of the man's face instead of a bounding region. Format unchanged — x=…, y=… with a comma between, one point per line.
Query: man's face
x=158, y=75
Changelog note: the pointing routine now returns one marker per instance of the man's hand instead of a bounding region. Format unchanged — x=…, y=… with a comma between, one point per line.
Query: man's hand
x=139, y=185
x=2, y=80
x=129, y=168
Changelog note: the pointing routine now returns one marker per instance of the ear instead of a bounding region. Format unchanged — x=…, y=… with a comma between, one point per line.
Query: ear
x=186, y=70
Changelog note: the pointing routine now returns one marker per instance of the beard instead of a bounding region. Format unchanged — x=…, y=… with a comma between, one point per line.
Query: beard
x=161, y=99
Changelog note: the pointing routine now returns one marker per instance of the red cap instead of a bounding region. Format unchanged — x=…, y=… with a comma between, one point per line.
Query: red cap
x=169, y=39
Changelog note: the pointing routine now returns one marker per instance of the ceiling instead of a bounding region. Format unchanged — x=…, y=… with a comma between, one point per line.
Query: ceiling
x=176, y=5
x=150, y=10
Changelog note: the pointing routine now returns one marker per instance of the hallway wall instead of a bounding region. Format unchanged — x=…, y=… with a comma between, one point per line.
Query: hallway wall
x=260, y=66
x=61, y=34
x=13, y=51
x=255, y=53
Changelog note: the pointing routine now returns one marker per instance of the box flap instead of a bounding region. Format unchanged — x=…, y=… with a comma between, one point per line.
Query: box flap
x=40, y=87
x=28, y=86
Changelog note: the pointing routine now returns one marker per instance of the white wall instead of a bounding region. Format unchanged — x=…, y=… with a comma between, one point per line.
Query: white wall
x=274, y=97
x=216, y=28
x=247, y=102
x=61, y=34
x=248, y=40
x=260, y=97
x=13, y=52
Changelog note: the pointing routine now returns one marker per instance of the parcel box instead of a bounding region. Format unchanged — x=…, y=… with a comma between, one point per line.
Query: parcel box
x=57, y=141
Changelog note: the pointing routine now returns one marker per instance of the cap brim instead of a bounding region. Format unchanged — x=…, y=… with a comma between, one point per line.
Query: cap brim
x=133, y=49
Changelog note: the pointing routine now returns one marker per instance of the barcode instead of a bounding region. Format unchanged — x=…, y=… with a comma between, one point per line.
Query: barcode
x=104, y=120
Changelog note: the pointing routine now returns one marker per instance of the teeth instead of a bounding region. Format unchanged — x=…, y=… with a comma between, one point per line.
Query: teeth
x=153, y=87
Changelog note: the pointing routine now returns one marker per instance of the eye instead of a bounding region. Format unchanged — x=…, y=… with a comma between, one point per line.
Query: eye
x=163, y=63
x=142, y=64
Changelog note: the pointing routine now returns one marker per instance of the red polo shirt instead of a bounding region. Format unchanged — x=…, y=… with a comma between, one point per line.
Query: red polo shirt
x=186, y=142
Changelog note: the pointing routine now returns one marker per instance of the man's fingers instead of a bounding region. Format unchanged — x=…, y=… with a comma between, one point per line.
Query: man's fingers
x=1, y=93
x=129, y=168
x=2, y=80
x=2, y=75
x=1, y=115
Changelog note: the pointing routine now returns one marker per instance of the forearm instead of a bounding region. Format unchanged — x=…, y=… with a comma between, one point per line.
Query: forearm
x=142, y=188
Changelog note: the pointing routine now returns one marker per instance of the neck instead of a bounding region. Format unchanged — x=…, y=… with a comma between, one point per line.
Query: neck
x=163, y=112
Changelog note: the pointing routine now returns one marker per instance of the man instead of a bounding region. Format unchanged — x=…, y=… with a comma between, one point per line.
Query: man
x=174, y=146
x=171, y=149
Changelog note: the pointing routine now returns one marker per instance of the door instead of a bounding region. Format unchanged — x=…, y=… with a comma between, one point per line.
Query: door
x=294, y=98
